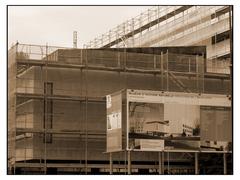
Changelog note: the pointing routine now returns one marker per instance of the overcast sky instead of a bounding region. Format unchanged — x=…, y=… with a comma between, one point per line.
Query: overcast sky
x=55, y=24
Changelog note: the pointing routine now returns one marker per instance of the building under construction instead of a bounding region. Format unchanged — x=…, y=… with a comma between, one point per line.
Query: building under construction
x=208, y=26
x=57, y=105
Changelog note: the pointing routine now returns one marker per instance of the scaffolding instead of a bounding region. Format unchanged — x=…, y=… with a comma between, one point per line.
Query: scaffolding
x=174, y=26
x=56, y=105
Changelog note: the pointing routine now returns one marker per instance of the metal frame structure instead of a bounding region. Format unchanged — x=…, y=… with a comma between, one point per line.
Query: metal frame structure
x=22, y=58
x=161, y=160
x=161, y=169
x=174, y=26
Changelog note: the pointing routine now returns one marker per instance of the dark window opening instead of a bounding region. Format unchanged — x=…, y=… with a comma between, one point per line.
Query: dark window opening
x=225, y=57
x=220, y=37
x=220, y=12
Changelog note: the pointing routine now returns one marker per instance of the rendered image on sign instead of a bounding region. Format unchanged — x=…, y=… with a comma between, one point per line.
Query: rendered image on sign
x=144, y=119
x=178, y=121
x=154, y=126
x=147, y=117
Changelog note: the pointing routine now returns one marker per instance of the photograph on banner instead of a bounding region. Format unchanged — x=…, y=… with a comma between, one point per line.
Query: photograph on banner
x=178, y=121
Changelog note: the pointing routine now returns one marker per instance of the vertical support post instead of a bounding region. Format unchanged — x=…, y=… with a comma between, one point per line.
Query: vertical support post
x=125, y=59
x=162, y=162
x=118, y=60
x=86, y=115
x=13, y=139
x=203, y=72
x=231, y=57
x=189, y=65
x=132, y=29
x=154, y=62
x=197, y=74
x=168, y=163
x=125, y=162
x=196, y=163
x=167, y=70
x=111, y=163
x=231, y=47
x=45, y=112
x=42, y=148
x=158, y=11
x=129, y=162
x=159, y=163
x=224, y=163
x=109, y=37
x=81, y=57
x=162, y=71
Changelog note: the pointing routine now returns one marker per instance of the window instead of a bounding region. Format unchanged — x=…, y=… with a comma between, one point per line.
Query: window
x=220, y=37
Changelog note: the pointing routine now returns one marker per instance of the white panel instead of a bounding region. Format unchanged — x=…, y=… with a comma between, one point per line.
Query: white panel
x=178, y=98
x=151, y=145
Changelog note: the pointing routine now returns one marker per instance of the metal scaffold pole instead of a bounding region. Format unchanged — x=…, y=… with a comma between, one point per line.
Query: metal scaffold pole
x=110, y=163
x=15, y=113
x=224, y=163
x=86, y=118
x=45, y=112
x=196, y=163
x=125, y=162
x=168, y=157
x=167, y=72
x=80, y=105
x=197, y=73
x=159, y=163
x=129, y=162
x=162, y=162
x=162, y=73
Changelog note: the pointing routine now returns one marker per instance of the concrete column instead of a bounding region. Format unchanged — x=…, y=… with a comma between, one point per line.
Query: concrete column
x=111, y=163
x=196, y=163
x=224, y=163
x=129, y=162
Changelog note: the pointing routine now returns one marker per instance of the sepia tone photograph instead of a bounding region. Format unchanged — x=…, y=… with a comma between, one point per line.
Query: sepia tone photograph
x=120, y=90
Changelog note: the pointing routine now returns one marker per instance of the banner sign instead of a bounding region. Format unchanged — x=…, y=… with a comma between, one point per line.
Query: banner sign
x=114, y=122
x=159, y=121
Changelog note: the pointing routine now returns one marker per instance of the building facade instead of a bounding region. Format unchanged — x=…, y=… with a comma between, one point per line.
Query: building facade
x=177, y=26
x=57, y=109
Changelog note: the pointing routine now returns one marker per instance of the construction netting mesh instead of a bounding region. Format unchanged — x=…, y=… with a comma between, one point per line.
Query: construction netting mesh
x=56, y=97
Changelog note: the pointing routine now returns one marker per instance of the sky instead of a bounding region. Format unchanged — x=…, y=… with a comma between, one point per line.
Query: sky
x=54, y=25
